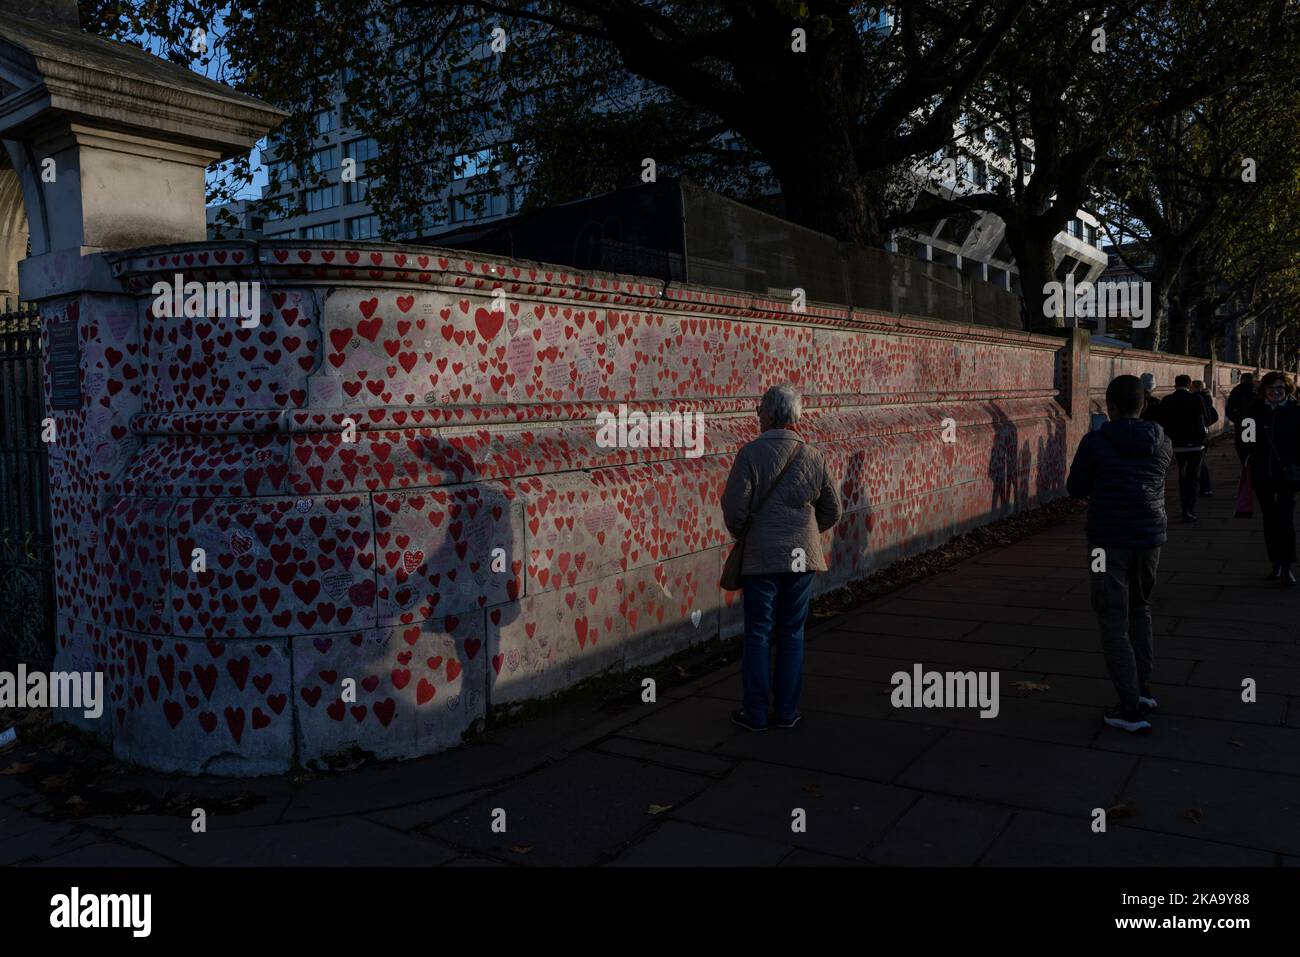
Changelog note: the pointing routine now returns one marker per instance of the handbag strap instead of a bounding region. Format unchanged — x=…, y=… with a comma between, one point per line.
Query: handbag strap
x=772, y=488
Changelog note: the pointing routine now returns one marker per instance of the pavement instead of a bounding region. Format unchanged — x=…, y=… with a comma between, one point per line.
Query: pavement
x=858, y=782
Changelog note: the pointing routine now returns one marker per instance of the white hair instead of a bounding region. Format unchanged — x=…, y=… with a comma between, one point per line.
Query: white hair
x=782, y=404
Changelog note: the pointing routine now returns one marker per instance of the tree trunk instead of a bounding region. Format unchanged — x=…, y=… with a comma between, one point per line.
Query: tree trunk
x=1032, y=249
x=832, y=196
x=1179, y=326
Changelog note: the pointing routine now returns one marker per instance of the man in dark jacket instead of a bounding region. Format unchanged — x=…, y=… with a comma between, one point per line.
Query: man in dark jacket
x=1120, y=469
x=1182, y=415
x=1240, y=399
x=1211, y=416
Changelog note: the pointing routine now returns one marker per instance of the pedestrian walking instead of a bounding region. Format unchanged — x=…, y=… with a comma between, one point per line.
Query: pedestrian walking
x=1271, y=432
x=1182, y=415
x=778, y=500
x=1211, y=417
x=1240, y=399
x=1151, y=405
x=1120, y=469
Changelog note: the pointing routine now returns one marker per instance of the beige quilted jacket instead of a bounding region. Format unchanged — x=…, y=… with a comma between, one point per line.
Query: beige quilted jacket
x=798, y=510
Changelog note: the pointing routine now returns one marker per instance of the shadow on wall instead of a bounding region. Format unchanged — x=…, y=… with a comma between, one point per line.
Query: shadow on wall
x=1012, y=465
x=1005, y=463
x=1052, y=461
x=423, y=673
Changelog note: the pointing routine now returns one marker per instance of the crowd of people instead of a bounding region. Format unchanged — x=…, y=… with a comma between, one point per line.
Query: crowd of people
x=780, y=498
x=1120, y=469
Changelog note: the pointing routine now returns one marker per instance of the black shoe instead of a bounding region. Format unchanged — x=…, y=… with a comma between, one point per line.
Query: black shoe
x=738, y=718
x=1133, y=722
x=791, y=723
x=1288, y=577
x=1207, y=494
x=1188, y=517
x=1146, y=703
x=1275, y=574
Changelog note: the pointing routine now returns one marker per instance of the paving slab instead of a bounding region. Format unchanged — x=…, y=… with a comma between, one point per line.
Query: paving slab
x=677, y=844
x=578, y=811
x=939, y=831
x=971, y=654
x=1018, y=773
x=1229, y=805
x=333, y=842
x=1048, y=840
x=393, y=785
x=678, y=758
x=1223, y=704
x=870, y=748
x=840, y=816
x=1226, y=744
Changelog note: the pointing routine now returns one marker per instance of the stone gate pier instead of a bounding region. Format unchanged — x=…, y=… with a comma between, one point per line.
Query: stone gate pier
x=377, y=509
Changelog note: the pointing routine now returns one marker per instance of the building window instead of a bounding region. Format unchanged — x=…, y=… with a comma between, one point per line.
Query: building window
x=361, y=150
x=363, y=227
x=469, y=165
x=281, y=171
x=325, y=121
x=355, y=191
x=321, y=231
x=471, y=206
x=325, y=159
x=322, y=198
x=283, y=234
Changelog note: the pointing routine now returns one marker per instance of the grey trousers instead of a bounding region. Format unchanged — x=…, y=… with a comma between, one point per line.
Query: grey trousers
x=1121, y=597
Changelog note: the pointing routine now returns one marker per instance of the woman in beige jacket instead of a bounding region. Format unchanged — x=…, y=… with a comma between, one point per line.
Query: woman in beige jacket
x=782, y=512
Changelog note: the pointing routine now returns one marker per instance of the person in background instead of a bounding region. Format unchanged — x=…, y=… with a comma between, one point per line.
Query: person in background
x=1151, y=407
x=1211, y=416
x=1120, y=469
x=1241, y=398
x=780, y=496
x=1182, y=415
x=1274, y=467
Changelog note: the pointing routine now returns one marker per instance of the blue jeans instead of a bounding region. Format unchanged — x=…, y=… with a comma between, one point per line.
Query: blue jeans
x=776, y=607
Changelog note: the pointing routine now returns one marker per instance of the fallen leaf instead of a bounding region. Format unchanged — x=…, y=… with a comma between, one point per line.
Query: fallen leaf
x=1031, y=686
x=521, y=849
x=1121, y=810
x=18, y=768
x=1193, y=815
x=659, y=808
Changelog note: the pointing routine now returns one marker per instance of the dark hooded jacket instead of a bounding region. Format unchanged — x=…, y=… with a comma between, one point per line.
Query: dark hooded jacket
x=1120, y=468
